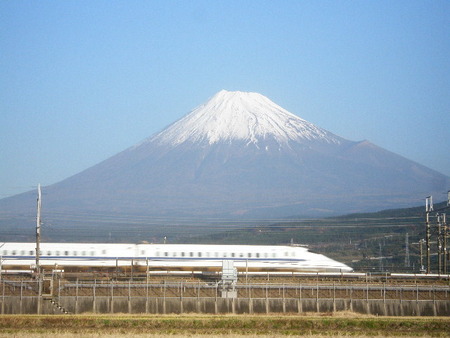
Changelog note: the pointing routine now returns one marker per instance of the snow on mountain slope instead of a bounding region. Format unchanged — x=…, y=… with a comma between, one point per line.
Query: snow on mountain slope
x=251, y=117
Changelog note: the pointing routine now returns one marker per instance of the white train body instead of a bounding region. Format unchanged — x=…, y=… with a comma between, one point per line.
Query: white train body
x=169, y=256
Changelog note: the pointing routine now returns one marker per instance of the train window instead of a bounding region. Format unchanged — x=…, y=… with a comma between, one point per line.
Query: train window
x=257, y=255
x=14, y=252
x=274, y=255
x=5, y=252
x=83, y=253
x=207, y=254
x=74, y=253
x=233, y=254
x=199, y=254
x=183, y=254
x=57, y=253
x=92, y=253
x=266, y=254
x=191, y=254
x=66, y=253
x=49, y=253
x=249, y=255
x=224, y=254
x=142, y=252
x=166, y=254
x=22, y=252
x=157, y=253
x=286, y=254
x=31, y=252
x=216, y=254
x=103, y=252
x=241, y=255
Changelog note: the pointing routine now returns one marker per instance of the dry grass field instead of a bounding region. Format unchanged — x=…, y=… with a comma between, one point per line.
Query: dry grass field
x=336, y=325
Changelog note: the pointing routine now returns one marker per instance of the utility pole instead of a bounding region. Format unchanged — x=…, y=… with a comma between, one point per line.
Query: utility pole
x=38, y=232
x=38, y=251
x=428, y=209
x=381, y=257
x=422, y=267
x=439, y=243
x=407, y=263
x=445, y=233
x=1, y=262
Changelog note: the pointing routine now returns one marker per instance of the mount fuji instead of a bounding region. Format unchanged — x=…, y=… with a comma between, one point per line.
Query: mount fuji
x=240, y=155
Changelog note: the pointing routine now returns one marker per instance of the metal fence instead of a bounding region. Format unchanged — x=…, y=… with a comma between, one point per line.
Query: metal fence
x=62, y=296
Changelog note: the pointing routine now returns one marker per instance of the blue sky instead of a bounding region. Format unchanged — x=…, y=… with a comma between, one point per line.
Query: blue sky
x=82, y=80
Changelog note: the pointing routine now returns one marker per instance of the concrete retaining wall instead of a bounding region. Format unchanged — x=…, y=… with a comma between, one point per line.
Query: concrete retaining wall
x=100, y=304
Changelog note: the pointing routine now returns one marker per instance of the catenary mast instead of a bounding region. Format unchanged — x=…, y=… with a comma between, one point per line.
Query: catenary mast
x=38, y=231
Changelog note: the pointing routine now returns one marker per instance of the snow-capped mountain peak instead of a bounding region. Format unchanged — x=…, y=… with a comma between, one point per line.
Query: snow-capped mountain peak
x=247, y=116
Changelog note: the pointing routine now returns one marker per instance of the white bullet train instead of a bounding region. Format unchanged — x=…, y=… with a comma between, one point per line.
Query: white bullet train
x=167, y=257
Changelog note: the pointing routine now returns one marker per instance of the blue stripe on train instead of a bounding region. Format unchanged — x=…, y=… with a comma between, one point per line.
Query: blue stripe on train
x=155, y=258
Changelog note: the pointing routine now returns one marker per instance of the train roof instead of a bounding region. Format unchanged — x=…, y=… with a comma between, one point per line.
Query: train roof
x=162, y=245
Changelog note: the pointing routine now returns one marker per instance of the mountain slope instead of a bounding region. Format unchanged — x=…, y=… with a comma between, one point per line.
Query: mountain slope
x=241, y=155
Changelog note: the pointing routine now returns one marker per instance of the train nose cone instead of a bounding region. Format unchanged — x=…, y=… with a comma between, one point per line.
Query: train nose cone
x=346, y=268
